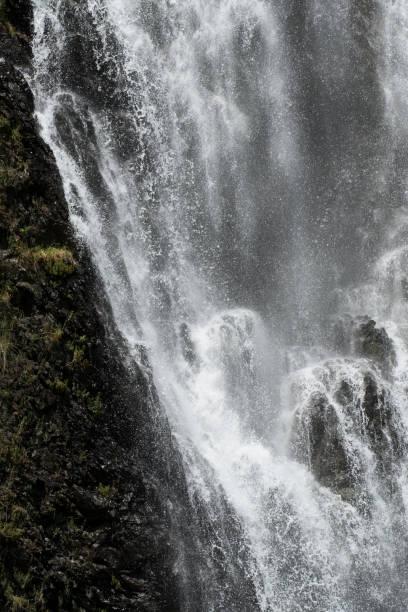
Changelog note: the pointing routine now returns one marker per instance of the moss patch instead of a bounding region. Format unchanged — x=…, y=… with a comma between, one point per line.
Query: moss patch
x=56, y=261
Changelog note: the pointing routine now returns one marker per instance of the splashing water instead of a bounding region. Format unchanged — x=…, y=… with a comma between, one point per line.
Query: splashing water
x=236, y=168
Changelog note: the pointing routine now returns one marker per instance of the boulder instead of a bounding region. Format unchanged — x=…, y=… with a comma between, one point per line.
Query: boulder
x=374, y=344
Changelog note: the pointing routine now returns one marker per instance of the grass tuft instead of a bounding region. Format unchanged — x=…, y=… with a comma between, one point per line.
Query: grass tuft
x=5, y=340
x=56, y=261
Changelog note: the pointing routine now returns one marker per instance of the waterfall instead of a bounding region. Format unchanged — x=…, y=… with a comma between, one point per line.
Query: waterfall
x=237, y=169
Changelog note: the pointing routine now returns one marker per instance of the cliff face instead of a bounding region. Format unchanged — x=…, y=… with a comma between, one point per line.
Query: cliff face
x=84, y=494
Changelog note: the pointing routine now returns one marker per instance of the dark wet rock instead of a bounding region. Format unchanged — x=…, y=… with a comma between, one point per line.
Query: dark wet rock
x=19, y=13
x=318, y=442
x=82, y=65
x=187, y=344
x=24, y=297
x=380, y=423
x=16, y=22
x=328, y=456
x=344, y=393
x=373, y=405
x=319, y=436
x=373, y=414
x=95, y=507
x=404, y=288
x=374, y=344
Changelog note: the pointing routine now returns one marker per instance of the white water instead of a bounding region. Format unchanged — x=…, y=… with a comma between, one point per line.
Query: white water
x=236, y=230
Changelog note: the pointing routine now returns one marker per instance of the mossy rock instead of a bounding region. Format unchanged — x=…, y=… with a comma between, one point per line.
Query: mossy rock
x=56, y=261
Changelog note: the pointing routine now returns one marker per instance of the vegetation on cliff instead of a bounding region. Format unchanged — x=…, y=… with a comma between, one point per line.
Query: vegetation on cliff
x=82, y=524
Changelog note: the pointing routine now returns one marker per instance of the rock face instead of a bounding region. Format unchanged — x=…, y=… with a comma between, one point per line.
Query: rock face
x=355, y=404
x=88, y=473
x=327, y=454
x=374, y=343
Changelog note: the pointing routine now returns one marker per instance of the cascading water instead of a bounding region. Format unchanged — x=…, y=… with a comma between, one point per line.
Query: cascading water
x=238, y=170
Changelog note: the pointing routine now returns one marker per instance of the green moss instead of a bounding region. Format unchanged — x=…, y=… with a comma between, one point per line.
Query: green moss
x=71, y=526
x=13, y=452
x=10, y=133
x=53, y=333
x=38, y=202
x=26, y=230
x=95, y=405
x=9, y=175
x=5, y=22
x=18, y=452
x=56, y=261
x=10, y=28
x=5, y=294
x=13, y=167
x=5, y=340
x=83, y=456
x=9, y=532
x=105, y=491
x=79, y=357
x=21, y=578
x=5, y=125
x=16, y=137
x=5, y=177
x=19, y=514
x=115, y=583
x=60, y=386
x=21, y=604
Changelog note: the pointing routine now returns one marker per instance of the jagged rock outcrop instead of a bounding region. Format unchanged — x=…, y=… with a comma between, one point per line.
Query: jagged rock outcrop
x=374, y=344
x=328, y=457
x=346, y=409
